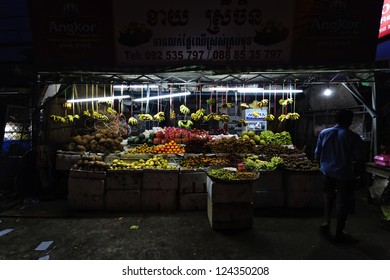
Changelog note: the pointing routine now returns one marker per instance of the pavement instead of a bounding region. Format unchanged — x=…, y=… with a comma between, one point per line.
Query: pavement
x=277, y=234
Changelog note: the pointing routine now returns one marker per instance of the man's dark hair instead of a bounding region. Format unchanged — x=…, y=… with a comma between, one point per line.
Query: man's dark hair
x=344, y=118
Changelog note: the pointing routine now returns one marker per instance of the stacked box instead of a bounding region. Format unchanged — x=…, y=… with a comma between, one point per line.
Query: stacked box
x=123, y=190
x=86, y=190
x=66, y=160
x=303, y=189
x=268, y=190
x=192, y=190
x=229, y=205
x=159, y=190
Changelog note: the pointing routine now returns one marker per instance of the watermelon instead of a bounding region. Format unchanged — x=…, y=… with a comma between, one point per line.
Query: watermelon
x=141, y=136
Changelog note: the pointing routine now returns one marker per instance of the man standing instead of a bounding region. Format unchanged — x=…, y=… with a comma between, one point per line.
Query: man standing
x=340, y=154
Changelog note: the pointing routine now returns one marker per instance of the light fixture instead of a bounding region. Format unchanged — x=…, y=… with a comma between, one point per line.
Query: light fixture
x=256, y=90
x=163, y=96
x=108, y=98
x=134, y=86
x=327, y=91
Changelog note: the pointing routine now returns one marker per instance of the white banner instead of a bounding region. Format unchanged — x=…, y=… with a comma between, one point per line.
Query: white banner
x=215, y=32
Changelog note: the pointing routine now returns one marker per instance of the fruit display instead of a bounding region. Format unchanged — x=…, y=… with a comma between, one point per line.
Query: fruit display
x=91, y=162
x=169, y=148
x=105, y=140
x=142, y=149
x=196, y=147
x=279, y=138
x=254, y=162
x=299, y=164
x=231, y=145
x=271, y=150
x=145, y=117
x=231, y=175
x=154, y=162
x=207, y=161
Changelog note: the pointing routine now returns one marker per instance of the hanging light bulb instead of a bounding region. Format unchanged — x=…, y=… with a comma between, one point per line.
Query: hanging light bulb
x=327, y=91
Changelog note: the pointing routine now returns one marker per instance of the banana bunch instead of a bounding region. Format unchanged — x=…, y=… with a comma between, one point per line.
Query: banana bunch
x=269, y=117
x=185, y=124
x=210, y=101
x=255, y=104
x=211, y=116
x=264, y=103
x=172, y=115
x=86, y=113
x=208, y=117
x=67, y=119
x=244, y=106
x=111, y=111
x=145, y=117
x=283, y=117
x=224, y=118
x=243, y=122
x=184, y=109
x=226, y=105
x=293, y=116
x=198, y=115
x=58, y=119
x=67, y=105
x=256, y=114
x=159, y=117
x=285, y=102
x=99, y=116
x=71, y=118
x=132, y=121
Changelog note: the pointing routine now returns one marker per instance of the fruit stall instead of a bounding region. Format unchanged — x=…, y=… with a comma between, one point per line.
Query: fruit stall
x=113, y=166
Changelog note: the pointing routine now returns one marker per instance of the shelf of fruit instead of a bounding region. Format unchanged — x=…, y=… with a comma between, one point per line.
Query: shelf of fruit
x=173, y=148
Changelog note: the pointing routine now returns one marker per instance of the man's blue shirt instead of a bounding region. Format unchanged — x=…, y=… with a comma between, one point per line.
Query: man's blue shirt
x=336, y=149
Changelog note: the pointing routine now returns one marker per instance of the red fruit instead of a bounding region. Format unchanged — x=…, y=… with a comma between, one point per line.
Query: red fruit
x=156, y=141
x=160, y=134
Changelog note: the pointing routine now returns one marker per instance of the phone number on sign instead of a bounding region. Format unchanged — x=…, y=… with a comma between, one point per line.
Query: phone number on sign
x=267, y=54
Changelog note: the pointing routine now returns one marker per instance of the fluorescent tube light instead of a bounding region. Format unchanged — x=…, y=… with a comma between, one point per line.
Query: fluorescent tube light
x=108, y=98
x=163, y=96
x=134, y=86
x=255, y=90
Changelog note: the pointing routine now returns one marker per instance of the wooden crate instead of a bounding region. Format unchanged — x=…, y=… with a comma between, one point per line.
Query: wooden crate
x=269, y=199
x=122, y=200
x=124, y=179
x=85, y=186
x=269, y=180
x=192, y=181
x=86, y=190
x=193, y=201
x=229, y=192
x=300, y=181
x=160, y=179
x=230, y=215
x=158, y=200
x=87, y=174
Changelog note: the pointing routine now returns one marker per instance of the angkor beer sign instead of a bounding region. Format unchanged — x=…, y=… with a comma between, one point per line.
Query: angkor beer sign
x=203, y=31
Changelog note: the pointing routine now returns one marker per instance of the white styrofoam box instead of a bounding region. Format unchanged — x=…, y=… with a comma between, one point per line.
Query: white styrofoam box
x=124, y=179
x=229, y=192
x=269, y=180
